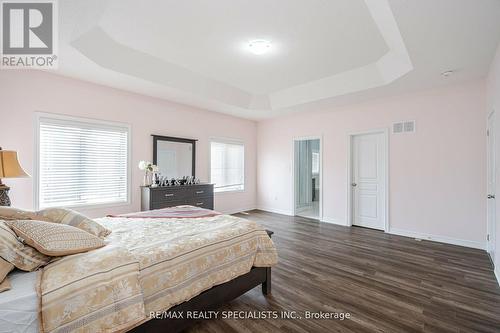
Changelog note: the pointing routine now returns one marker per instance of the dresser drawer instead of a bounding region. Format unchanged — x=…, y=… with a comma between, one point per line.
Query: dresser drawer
x=166, y=204
x=200, y=191
x=168, y=194
x=200, y=195
x=202, y=202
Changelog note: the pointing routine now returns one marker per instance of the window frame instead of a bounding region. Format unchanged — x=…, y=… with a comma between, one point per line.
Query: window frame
x=39, y=116
x=233, y=142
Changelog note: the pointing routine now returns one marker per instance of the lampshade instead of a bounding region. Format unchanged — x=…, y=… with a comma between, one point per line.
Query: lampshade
x=9, y=165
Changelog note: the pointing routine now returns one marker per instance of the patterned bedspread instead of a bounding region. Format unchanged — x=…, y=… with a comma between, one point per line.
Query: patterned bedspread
x=151, y=264
x=179, y=212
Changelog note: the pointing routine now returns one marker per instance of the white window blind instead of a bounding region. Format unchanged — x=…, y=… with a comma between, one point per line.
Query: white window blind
x=227, y=166
x=81, y=163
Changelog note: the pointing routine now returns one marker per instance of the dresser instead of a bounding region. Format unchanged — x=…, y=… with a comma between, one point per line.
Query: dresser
x=200, y=195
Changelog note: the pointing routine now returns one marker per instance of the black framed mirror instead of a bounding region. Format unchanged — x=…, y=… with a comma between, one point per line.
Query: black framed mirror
x=175, y=157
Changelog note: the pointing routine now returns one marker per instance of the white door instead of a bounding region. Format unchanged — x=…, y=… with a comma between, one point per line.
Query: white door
x=491, y=186
x=368, y=180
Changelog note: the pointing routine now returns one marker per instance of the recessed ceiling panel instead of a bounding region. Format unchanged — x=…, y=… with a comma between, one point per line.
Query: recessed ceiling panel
x=311, y=39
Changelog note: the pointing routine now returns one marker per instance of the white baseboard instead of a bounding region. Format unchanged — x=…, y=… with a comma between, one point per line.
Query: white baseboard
x=333, y=221
x=497, y=274
x=435, y=238
x=274, y=210
x=234, y=211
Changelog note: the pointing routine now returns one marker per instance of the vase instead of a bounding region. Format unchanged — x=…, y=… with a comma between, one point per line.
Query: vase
x=146, y=181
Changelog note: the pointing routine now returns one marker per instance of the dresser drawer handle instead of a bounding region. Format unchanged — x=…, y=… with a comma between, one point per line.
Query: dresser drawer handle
x=169, y=195
x=200, y=192
x=199, y=204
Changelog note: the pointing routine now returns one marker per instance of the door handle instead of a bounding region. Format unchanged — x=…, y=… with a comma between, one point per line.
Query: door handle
x=354, y=184
x=491, y=196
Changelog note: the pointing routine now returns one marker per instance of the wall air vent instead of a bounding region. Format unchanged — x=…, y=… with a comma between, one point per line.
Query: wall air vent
x=397, y=128
x=404, y=127
x=409, y=126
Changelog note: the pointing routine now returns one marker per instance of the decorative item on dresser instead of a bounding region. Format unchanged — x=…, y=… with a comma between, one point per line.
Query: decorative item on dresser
x=200, y=195
x=9, y=168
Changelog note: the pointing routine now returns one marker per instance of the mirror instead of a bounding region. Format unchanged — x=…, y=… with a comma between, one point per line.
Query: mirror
x=175, y=157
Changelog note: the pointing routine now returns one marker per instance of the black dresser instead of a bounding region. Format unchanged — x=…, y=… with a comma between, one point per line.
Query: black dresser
x=201, y=195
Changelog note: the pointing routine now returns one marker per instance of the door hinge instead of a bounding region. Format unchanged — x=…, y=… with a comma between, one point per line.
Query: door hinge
x=488, y=238
x=487, y=132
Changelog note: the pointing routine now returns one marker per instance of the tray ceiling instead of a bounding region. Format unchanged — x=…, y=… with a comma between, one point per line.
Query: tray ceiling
x=194, y=52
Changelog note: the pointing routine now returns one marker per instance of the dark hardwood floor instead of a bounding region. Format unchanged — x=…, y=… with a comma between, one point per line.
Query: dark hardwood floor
x=387, y=283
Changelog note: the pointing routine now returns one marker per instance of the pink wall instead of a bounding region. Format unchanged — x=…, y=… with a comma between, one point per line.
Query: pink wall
x=24, y=92
x=493, y=104
x=437, y=175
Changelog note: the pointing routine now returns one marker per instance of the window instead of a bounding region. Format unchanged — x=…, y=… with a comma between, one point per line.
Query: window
x=227, y=166
x=81, y=162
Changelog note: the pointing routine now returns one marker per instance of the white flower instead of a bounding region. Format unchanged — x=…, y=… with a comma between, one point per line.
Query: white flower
x=143, y=165
x=154, y=167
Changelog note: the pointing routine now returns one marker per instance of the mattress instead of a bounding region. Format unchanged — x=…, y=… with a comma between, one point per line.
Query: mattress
x=19, y=305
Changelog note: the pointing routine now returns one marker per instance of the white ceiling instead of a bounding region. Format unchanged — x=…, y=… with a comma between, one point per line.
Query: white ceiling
x=324, y=52
x=209, y=37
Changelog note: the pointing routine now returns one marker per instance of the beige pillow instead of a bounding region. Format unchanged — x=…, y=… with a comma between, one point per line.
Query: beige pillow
x=11, y=213
x=5, y=268
x=75, y=219
x=14, y=251
x=55, y=239
x=4, y=285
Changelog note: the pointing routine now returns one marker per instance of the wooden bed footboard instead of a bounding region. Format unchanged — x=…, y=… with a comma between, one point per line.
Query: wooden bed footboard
x=208, y=300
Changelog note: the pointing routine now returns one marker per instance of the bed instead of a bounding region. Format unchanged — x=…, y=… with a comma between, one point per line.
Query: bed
x=155, y=261
x=19, y=305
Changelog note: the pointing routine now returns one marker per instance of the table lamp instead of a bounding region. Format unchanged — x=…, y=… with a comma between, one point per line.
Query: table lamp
x=9, y=168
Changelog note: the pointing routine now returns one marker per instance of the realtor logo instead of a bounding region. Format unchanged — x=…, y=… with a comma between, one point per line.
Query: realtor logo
x=28, y=34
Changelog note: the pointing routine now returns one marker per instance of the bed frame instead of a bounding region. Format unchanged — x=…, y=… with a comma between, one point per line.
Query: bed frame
x=209, y=300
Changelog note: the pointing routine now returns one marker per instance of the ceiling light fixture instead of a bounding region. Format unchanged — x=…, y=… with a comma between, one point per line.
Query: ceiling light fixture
x=447, y=73
x=259, y=46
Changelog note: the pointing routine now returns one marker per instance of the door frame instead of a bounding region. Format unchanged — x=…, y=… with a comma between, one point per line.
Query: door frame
x=385, y=132
x=491, y=225
x=303, y=138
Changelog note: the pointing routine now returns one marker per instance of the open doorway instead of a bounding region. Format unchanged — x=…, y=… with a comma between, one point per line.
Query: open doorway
x=307, y=178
